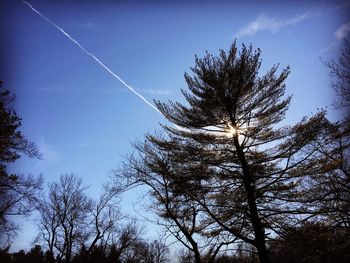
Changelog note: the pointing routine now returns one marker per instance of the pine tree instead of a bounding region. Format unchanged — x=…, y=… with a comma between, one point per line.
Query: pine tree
x=227, y=152
x=331, y=192
x=18, y=192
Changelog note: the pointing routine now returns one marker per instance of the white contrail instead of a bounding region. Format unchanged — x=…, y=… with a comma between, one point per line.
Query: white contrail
x=93, y=56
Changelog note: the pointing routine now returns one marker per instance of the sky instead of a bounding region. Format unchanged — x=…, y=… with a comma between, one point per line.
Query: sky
x=84, y=120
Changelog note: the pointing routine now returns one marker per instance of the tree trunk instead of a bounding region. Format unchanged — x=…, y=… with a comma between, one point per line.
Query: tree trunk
x=254, y=216
x=197, y=256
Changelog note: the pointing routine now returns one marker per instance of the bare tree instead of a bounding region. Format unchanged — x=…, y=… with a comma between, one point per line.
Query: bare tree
x=151, y=252
x=185, y=256
x=104, y=220
x=179, y=214
x=70, y=221
x=124, y=242
x=64, y=217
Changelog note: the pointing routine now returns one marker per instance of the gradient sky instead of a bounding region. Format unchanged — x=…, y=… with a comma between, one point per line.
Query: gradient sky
x=83, y=120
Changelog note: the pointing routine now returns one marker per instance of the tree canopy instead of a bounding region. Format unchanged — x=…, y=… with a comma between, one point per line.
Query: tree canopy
x=227, y=164
x=340, y=71
x=227, y=177
x=17, y=191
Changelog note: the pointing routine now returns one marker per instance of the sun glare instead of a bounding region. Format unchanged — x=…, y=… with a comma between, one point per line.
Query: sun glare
x=231, y=131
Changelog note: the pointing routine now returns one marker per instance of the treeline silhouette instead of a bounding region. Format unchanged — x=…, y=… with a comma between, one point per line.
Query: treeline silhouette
x=227, y=181
x=137, y=252
x=308, y=243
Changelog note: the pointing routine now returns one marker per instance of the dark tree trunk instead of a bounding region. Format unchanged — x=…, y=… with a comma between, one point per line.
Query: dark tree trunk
x=254, y=216
x=197, y=257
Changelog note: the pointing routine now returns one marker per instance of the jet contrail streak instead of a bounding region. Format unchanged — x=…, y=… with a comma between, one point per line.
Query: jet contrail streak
x=93, y=56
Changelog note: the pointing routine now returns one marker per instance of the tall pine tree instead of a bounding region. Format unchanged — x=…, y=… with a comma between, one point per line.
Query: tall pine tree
x=227, y=152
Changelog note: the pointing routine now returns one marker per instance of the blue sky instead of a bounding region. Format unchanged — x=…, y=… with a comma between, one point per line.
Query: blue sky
x=84, y=120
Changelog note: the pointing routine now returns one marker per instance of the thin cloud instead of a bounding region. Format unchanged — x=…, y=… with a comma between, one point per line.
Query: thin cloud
x=328, y=48
x=261, y=23
x=342, y=31
x=83, y=25
x=265, y=23
x=297, y=19
x=63, y=88
x=157, y=92
x=53, y=88
x=48, y=152
x=85, y=144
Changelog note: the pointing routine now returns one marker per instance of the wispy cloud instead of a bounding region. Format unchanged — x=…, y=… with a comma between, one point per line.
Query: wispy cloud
x=63, y=88
x=83, y=25
x=328, y=48
x=297, y=19
x=106, y=91
x=157, y=92
x=91, y=144
x=53, y=88
x=48, y=152
x=342, y=31
x=265, y=23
